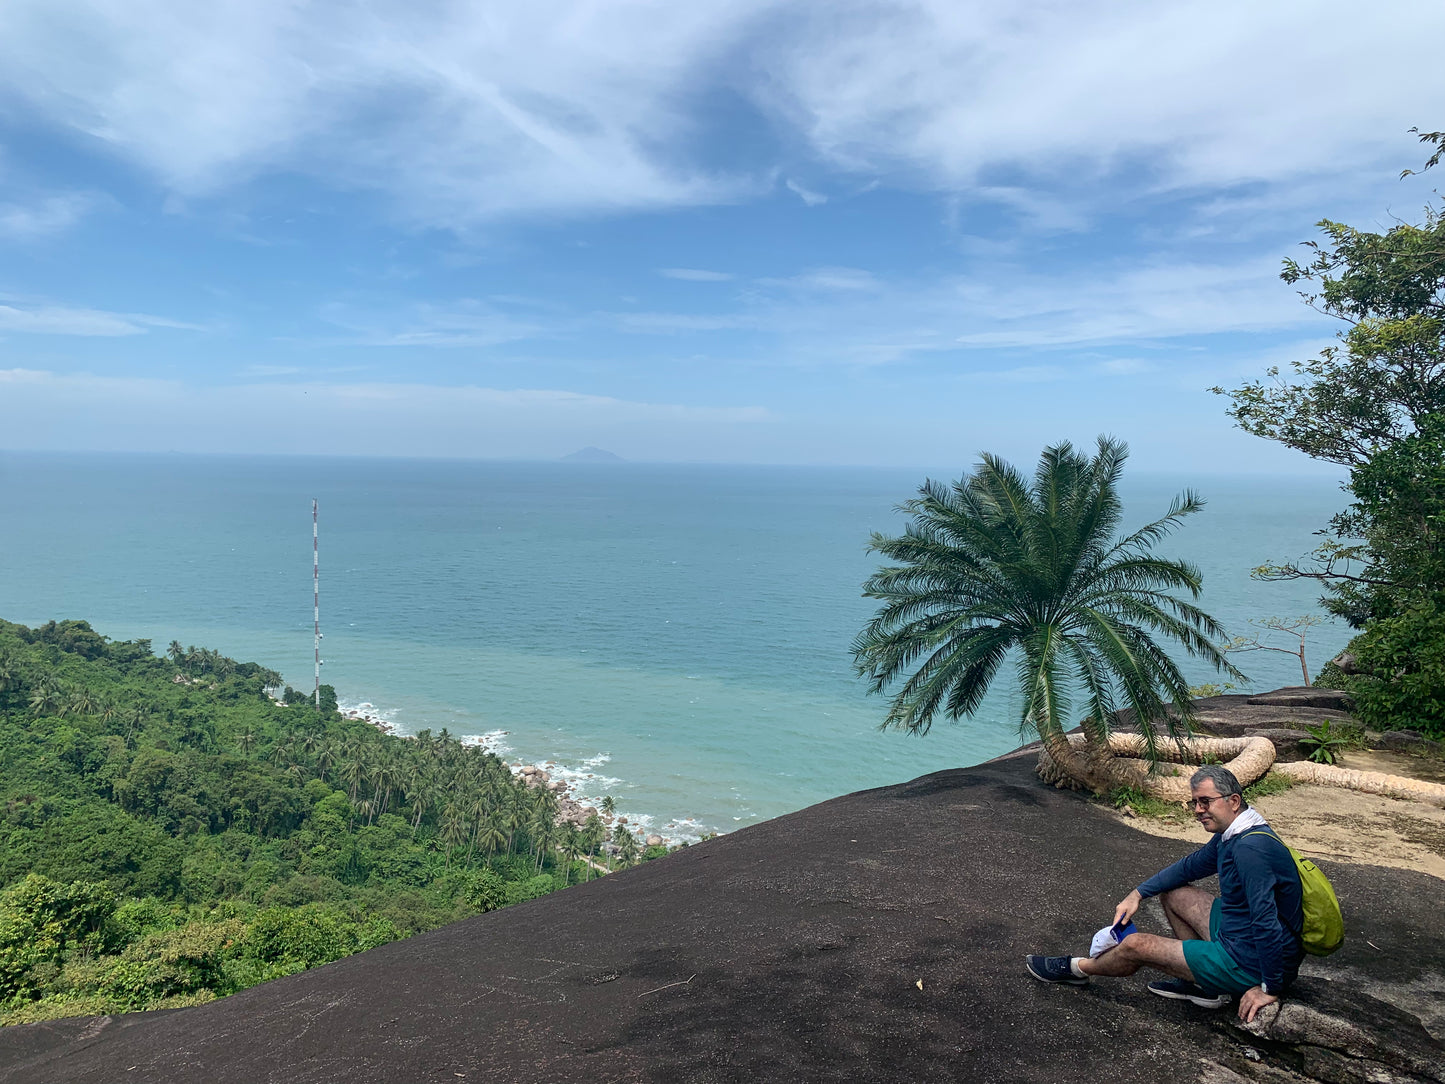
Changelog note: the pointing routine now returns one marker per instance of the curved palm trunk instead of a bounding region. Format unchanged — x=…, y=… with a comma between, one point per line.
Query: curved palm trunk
x=1391, y=786
x=1090, y=765
x=1075, y=762
x=1063, y=764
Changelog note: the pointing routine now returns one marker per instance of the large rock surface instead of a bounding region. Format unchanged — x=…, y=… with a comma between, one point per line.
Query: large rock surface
x=794, y=950
x=1233, y=715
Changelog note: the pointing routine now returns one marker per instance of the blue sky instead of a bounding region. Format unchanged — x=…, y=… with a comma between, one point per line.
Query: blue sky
x=885, y=233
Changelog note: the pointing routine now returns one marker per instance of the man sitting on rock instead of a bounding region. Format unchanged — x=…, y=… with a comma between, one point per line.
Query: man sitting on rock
x=1245, y=943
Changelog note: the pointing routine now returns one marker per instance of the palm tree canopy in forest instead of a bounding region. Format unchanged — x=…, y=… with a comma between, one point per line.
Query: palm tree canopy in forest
x=994, y=568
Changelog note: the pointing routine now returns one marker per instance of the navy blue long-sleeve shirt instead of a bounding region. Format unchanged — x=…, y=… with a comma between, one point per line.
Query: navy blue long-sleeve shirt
x=1261, y=919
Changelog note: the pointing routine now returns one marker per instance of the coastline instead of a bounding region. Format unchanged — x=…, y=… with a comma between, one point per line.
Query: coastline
x=572, y=809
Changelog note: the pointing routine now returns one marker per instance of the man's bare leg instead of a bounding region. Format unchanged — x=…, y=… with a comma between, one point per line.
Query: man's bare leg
x=1187, y=910
x=1141, y=950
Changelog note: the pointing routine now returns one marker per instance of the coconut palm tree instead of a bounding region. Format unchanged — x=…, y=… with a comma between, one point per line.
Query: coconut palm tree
x=9, y=671
x=326, y=754
x=44, y=700
x=993, y=568
x=542, y=832
x=246, y=742
x=593, y=833
x=420, y=793
x=626, y=846
x=353, y=771
x=366, y=807
x=570, y=842
x=453, y=830
x=135, y=720
x=386, y=778
x=491, y=835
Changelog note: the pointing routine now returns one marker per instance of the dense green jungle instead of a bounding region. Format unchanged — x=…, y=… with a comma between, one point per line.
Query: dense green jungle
x=174, y=829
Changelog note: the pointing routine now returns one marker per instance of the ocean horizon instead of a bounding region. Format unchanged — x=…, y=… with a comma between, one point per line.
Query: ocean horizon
x=675, y=635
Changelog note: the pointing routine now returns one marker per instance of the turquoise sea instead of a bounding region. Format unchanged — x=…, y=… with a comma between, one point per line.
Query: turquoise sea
x=676, y=636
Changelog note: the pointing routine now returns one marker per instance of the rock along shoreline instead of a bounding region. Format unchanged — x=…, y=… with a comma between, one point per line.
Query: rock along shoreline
x=570, y=810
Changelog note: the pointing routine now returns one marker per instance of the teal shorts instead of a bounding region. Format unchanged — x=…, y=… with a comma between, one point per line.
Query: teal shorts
x=1212, y=967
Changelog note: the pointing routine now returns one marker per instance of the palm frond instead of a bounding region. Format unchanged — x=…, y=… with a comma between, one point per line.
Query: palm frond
x=996, y=563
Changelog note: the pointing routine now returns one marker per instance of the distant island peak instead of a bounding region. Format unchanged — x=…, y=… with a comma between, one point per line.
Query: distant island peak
x=593, y=455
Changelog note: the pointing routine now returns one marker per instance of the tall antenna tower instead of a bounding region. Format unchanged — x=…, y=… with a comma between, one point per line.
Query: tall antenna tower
x=316, y=599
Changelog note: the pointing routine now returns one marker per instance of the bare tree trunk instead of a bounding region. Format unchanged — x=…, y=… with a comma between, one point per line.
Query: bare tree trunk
x=1390, y=786
x=1073, y=761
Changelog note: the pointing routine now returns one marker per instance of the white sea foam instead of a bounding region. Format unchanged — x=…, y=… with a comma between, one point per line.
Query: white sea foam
x=493, y=741
x=587, y=786
x=367, y=712
x=585, y=783
x=358, y=708
x=684, y=830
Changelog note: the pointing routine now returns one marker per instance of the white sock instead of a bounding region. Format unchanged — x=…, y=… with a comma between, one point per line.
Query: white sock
x=1074, y=967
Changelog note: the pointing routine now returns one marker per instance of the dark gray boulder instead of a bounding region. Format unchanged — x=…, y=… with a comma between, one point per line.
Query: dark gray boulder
x=875, y=937
x=1286, y=742
x=1335, y=1032
x=1304, y=696
x=1345, y=662
x=1235, y=714
x=1404, y=741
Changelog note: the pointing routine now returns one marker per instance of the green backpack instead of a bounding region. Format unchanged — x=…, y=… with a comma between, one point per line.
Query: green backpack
x=1324, y=928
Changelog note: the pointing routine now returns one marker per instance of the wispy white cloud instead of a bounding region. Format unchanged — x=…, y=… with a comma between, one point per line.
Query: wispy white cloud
x=464, y=113
x=652, y=323
x=61, y=320
x=460, y=323
x=343, y=418
x=1093, y=305
x=947, y=92
x=693, y=274
x=829, y=280
x=1025, y=374
x=44, y=216
x=460, y=114
x=1045, y=210
x=851, y=316
x=807, y=195
x=1124, y=367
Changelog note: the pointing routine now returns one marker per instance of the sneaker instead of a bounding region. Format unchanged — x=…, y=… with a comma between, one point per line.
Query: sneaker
x=1053, y=969
x=1180, y=990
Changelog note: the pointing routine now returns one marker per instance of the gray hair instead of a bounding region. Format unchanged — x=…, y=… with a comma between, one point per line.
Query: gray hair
x=1223, y=779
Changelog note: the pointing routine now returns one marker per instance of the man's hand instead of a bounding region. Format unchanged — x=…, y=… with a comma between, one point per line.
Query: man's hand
x=1127, y=906
x=1252, y=1000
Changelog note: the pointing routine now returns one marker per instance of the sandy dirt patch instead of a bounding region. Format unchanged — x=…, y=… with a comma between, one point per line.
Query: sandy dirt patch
x=1338, y=825
x=1431, y=769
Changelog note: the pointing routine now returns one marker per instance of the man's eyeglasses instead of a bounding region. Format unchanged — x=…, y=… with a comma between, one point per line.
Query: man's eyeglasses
x=1201, y=804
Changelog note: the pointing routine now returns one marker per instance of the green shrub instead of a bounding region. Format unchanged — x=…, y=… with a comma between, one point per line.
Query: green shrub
x=185, y=961
x=40, y=920
x=1269, y=784
x=1324, y=744
x=1144, y=805
x=136, y=917
x=1402, y=663
x=299, y=890
x=530, y=889
x=289, y=939
x=1212, y=688
x=1332, y=677
x=485, y=890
